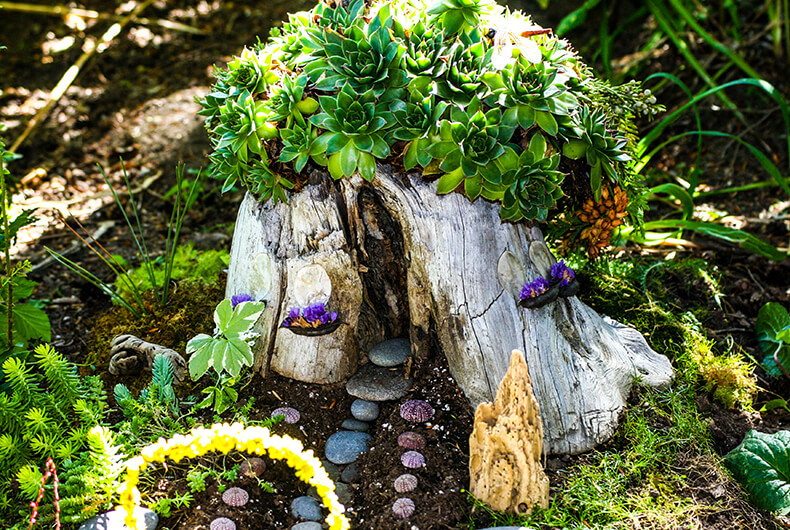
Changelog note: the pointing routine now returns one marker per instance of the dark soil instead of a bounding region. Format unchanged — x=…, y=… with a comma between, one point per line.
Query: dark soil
x=135, y=101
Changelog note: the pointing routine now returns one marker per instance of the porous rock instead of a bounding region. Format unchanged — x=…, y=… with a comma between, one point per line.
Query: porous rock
x=506, y=446
x=131, y=355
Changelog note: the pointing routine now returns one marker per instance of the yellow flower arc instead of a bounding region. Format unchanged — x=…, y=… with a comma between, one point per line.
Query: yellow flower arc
x=224, y=438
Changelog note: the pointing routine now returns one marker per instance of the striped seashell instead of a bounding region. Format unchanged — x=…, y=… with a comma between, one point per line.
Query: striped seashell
x=235, y=497
x=411, y=440
x=291, y=415
x=222, y=523
x=416, y=410
x=405, y=483
x=403, y=507
x=412, y=459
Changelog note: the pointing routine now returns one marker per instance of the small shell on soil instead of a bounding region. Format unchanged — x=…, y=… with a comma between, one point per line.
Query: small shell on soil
x=222, y=523
x=403, y=507
x=405, y=483
x=291, y=415
x=411, y=440
x=412, y=459
x=416, y=410
x=235, y=497
x=253, y=467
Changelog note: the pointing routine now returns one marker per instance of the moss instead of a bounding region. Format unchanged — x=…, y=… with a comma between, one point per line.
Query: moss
x=188, y=312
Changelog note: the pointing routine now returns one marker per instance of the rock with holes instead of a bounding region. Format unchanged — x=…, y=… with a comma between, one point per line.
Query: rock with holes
x=131, y=355
x=506, y=446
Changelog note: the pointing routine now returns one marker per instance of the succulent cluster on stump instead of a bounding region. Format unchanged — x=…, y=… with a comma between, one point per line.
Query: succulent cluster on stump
x=463, y=90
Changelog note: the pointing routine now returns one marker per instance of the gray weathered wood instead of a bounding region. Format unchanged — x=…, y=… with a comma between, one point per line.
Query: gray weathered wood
x=412, y=262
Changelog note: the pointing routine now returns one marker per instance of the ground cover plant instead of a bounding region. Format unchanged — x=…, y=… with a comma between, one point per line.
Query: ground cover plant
x=695, y=298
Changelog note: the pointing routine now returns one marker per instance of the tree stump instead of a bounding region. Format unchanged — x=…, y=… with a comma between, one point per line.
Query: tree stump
x=442, y=271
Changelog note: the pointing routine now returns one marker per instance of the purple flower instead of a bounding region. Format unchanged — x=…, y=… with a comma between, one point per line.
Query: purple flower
x=314, y=312
x=562, y=273
x=534, y=288
x=311, y=316
x=236, y=299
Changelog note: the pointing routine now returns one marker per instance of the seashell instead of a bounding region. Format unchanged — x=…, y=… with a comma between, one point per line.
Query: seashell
x=403, y=507
x=235, y=497
x=412, y=459
x=405, y=483
x=416, y=410
x=253, y=467
x=312, y=286
x=222, y=523
x=411, y=440
x=291, y=415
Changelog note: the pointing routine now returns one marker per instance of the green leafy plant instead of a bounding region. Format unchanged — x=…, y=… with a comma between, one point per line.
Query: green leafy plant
x=22, y=322
x=196, y=479
x=46, y=411
x=227, y=351
x=773, y=334
x=164, y=506
x=761, y=465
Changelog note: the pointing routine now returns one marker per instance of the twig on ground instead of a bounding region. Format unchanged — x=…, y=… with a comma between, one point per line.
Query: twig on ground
x=91, y=48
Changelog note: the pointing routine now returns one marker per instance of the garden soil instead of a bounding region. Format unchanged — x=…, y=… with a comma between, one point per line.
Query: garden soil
x=135, y=101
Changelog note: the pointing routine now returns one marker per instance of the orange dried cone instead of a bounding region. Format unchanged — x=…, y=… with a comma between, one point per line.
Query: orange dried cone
x=603, y=217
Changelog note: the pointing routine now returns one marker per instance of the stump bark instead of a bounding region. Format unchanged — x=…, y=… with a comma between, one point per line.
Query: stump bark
x=446, y=273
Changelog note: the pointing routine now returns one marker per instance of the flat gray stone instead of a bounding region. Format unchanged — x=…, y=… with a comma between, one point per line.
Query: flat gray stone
x=306, y=508
x=350, y=474
x=331, y=469
x=365, y=410
x=344, y=493
x=355, y=425
x=391, y=352
x=307, y=525
x=114, y=520
x=345, y=446
x=376, y=383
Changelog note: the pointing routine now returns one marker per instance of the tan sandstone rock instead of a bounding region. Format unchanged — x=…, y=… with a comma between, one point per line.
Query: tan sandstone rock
x=506, y=446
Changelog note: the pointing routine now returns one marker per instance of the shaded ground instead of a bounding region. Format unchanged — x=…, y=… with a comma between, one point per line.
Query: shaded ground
x=136, y=101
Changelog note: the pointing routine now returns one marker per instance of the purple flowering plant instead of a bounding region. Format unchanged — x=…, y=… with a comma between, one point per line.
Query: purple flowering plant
x=311, y=316
x=536, y=287
x=562, y=273
x=236, y=299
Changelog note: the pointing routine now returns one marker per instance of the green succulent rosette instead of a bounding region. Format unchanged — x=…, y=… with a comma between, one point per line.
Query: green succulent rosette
x=463, y=90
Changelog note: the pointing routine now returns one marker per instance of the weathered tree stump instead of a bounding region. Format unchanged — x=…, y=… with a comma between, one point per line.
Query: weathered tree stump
x=405, y=261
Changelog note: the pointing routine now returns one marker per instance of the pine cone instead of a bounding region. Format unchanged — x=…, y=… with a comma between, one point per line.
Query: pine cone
x=603, y=217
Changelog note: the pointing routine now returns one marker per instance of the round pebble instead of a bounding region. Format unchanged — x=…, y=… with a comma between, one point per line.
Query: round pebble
x=306, y=508
x=331, y=469
x=343, y=492
x=405, y=483
x=345, y=446
x=350, y=473
x=392, y=352
x=411, y=440
x=403, y=507
x=416, y=410
x=375, y=383
x=364, y=410
x=412, y=459
x=291, y=415
x=307, y=525
x=355, y=425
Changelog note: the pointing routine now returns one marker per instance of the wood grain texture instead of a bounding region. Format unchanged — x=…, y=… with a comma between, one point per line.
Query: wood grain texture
x=582, y=364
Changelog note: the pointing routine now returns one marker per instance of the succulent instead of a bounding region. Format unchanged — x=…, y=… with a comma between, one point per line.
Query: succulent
x=417, y=121
x=288, y=101
x=412, y=459
x=264, y=183
x=235, y=497
x=291, y=414
x=411, y=440
x=249, y=71
x=469, y=58
x=416, y=410
x=589, y=137
x=403, y=507
x=460, y=15
x=300, y=143
x=366, y=59
x=243, y=126
x=405, y=483
x=355, y=125
x=425, y=49
x=533, y=188
x=470, y=144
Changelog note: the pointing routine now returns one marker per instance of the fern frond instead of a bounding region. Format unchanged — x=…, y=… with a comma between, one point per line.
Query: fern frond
x=60, y=374
x=88, y=413
x=162, y=372
x=12, y=451
x=11, y=411
x=45, y=444
x=37, y=421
